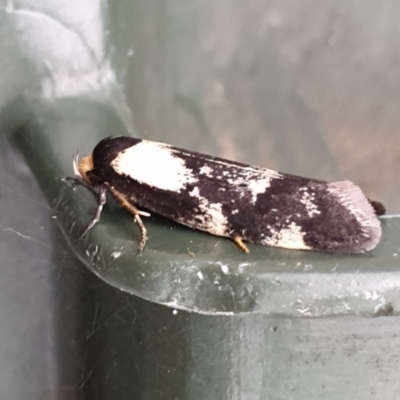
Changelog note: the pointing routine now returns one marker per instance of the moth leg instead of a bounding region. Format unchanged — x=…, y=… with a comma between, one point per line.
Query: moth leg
x=80, y=181
x=239, y=243
x=143, y=232
x=102, y=198
x=122, y=200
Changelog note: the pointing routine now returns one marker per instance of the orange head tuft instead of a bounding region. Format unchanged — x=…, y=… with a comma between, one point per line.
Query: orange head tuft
x=85, y=166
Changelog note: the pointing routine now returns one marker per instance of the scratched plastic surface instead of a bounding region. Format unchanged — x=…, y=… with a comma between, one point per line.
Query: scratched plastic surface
x=309, y=89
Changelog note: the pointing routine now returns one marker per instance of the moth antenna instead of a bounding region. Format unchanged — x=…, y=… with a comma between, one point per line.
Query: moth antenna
x=75, y=160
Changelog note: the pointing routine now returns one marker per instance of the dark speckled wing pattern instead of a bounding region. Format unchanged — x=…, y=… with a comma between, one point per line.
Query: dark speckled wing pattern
x=231, y=199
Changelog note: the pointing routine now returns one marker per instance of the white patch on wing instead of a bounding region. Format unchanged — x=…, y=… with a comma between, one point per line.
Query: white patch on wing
x=307, y=199
x=154, y=164
x=259, y=185
x=195, y=192
x=289, y=238
x=218, y=223
x=256, y=180
x=209, y=216
x=206, y=170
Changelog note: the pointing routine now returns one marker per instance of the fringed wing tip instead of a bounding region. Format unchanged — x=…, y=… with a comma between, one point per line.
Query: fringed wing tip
x=354, y=200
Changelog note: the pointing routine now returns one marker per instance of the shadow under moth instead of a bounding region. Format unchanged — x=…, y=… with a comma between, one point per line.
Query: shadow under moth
x=229, y=199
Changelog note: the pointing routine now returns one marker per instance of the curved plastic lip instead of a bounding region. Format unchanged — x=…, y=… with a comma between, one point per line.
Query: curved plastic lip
x=270, y=281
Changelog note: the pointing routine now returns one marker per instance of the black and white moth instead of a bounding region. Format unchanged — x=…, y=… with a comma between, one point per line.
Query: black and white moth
x=229, y=199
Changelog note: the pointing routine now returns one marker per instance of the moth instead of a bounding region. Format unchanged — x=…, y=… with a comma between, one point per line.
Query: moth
x=229, y=199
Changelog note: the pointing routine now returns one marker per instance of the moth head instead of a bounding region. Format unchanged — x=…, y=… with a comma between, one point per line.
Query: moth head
x=81, y=168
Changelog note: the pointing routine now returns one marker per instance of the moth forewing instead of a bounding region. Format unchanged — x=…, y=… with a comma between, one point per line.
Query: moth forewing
x=231, y=199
